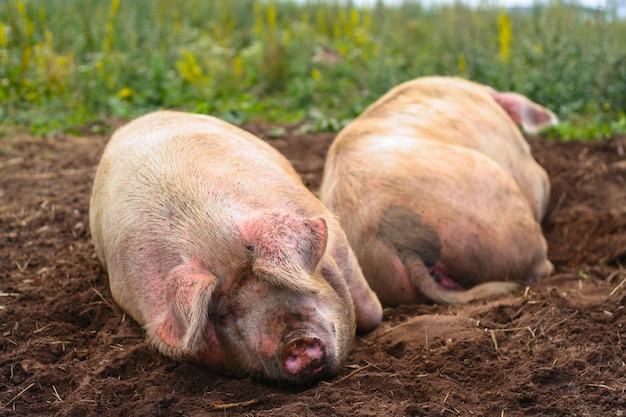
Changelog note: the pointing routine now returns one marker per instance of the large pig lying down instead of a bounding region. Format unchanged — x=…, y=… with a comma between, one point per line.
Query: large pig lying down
x=438, y=193
x=214, y=245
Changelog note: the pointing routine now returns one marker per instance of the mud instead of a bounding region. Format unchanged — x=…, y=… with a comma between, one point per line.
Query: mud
x=557, y=348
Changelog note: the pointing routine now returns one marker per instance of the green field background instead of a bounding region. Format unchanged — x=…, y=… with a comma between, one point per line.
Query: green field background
x=67, y=63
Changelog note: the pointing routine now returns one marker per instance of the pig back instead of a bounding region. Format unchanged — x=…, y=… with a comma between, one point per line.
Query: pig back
x=460, y=112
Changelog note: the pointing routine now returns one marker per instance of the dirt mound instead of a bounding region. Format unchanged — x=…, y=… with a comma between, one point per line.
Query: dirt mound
x=557, y=349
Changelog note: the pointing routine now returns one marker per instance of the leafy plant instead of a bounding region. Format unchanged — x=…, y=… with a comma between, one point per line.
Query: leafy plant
x=66, y=63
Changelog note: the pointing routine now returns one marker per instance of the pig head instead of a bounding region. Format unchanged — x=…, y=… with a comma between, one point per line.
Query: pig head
x=439, y=194
x=214, y=245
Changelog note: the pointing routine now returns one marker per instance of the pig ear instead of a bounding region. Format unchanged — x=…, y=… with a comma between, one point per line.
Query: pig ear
x=187, y=296
x=531, y=116
x=286, y=245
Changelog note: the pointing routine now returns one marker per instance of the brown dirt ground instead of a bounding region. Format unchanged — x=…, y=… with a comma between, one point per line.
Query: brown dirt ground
x=557, y=349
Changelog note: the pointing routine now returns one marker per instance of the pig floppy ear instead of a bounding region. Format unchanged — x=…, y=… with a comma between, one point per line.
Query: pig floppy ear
x=187, y=295
x=286, y=246
x=523, y=111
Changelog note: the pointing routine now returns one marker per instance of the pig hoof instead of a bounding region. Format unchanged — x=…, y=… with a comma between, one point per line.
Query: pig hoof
x=305, y=356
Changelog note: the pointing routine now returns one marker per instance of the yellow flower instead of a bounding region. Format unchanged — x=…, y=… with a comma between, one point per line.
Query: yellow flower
x=190, y=70
x=506, y=36
x=238, y=66
x=462, y=64
x=4, y=41
x=126, y=93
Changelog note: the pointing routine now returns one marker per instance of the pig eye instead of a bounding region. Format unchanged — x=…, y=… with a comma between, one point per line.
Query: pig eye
x=219, y=316
x=250, y=248
x=223, y=314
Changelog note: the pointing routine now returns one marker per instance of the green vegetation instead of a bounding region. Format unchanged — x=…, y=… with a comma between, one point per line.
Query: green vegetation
x=67, y=63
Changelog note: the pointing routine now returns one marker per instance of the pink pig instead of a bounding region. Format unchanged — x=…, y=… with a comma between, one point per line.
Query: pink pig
x=215, y=246
x=438, y=192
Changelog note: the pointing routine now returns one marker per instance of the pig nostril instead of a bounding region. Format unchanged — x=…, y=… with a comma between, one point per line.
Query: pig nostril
x=304, y=355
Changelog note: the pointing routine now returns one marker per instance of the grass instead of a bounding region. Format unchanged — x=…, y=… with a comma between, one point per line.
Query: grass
x=68, y=63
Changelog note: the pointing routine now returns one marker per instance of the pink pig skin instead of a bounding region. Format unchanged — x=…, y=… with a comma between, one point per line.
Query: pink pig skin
x=438, y=192
x=215, y=246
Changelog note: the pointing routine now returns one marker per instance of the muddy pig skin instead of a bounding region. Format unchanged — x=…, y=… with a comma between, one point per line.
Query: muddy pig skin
x=438, y=193
x=215, y=246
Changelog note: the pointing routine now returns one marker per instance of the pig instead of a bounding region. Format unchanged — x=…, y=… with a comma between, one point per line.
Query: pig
x=438, y=193
x=213, y=244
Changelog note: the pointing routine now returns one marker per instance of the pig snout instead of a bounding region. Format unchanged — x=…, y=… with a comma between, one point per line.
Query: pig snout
x=305, y=357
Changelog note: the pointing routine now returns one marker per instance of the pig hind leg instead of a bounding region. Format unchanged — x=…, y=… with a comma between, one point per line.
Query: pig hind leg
x=418, y=247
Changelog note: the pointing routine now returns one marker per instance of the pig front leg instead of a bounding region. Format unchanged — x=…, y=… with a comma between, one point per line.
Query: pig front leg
x=367, y=307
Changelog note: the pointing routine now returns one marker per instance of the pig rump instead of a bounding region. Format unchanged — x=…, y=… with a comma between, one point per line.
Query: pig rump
x=423, y=232
x=438, y=193
x=246, y=273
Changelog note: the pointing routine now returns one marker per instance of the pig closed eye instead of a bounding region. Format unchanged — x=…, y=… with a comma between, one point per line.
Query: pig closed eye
x=227, y=314
x=220, y=315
